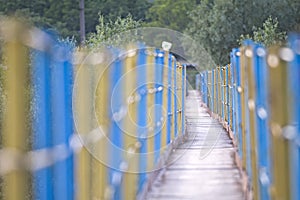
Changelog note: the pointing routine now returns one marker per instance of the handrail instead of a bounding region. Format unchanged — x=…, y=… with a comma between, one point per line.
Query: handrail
x=84, y=124
x=260, y=108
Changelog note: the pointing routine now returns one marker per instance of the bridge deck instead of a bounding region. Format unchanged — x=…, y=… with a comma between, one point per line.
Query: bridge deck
x=203, y=166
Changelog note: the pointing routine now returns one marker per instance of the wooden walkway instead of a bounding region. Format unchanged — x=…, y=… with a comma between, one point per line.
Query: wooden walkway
x=203, y=166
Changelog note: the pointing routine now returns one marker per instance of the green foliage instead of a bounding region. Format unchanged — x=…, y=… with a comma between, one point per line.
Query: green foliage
x=170, y=13
x=268, y=34
x=191, y=77
x=213, y=26
x=70, y=41
x=111, y=10
x=217, y=24
x=57, y=15
x=63, y=16
x=108, y=32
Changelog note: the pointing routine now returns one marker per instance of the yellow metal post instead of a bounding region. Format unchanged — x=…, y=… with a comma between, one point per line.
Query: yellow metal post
x=165, y=102
x=150, y=109
x=99, y=173
x=130, y=129
x=215, y=92
x=279, y=119
x=184, y=96
x=248, y=65
x=209, y=89
x=230, y=87
x=219, y=91
x=172, y=101
x=224, y=93
x=179, y=99
x=15, y=125
x=82, y=116
x=243, y=106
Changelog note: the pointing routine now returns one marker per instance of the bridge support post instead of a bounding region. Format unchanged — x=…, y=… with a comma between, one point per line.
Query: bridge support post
x=261, y=116
x=14, y=127
x=294, y=88
x=279, y=122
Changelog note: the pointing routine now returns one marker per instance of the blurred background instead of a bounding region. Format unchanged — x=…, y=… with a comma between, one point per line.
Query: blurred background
x=218, y=25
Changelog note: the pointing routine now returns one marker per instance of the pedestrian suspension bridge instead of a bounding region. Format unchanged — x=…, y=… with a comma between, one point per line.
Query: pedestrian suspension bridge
x=117, y=124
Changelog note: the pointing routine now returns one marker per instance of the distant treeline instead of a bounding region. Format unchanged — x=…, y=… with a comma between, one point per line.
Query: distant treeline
x=216, y=24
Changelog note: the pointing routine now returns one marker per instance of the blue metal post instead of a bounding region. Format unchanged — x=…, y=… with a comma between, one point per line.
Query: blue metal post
x=232, y=99
x=159, y=65
x=203, y=86
x=142, y=115
x=206, y=88
x=42, y=120
x=227, y=94
x=175, y=100
x=261, y=111
x=202, y=83
x=222, y=92
x=169, y=120
x=182, y=101
x=294, y=85
x=217, y=92
x=235, y=92
x=62, y=127
x=212, y=90
x=115, y=136
x=237, y=75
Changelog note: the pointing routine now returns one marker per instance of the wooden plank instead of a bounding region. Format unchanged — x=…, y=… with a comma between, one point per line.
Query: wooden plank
x=196, y=169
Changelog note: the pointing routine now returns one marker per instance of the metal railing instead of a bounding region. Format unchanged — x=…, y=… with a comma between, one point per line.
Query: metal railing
x=84, y=124
x=258, y=97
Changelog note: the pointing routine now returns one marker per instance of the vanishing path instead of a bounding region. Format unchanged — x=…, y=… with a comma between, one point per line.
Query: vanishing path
x=203, y=166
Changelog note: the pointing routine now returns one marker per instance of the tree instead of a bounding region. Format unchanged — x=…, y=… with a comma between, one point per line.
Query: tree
x=170, y=13
x=268, y=34
x=217, y=24
x=63, y=16
x=112, y=9
x=108, y=32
